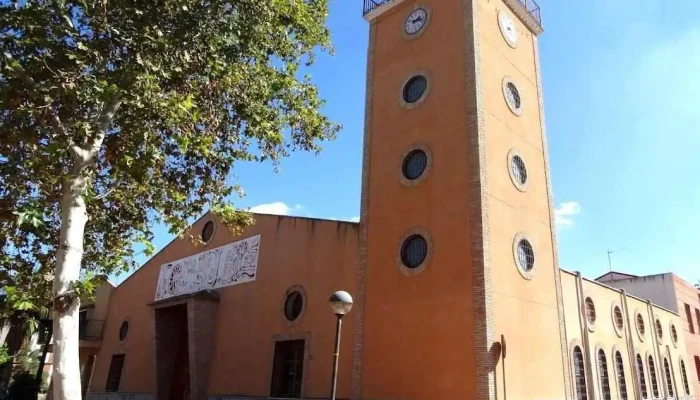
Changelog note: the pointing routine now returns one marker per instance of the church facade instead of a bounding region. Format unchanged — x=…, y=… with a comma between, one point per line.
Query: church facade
x=453, y=266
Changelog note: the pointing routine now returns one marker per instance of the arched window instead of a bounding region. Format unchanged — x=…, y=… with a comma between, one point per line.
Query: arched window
x=669, y=380
x=621, y=381
x=580, y=375
x=603, y=373
x=652, y=377
x=684, y=377
x=642, y=378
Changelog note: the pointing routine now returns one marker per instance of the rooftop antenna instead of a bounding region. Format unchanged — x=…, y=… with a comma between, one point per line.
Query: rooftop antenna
x=609, y=253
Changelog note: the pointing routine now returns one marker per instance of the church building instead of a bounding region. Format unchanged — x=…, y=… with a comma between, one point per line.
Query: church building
x=453, y=265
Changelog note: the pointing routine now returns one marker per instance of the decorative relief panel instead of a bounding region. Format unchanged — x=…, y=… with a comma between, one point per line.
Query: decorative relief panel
x=223, y=266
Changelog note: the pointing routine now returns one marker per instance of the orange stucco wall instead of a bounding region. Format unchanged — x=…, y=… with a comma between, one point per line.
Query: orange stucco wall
x=318, y=255
x=417, y=329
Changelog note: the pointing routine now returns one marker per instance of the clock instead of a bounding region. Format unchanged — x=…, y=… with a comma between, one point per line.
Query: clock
x=416, y=21
x=507, y=25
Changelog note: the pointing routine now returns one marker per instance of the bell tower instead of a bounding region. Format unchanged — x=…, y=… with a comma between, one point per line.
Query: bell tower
x=459, y=288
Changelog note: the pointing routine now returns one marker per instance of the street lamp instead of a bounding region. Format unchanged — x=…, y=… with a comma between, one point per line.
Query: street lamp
x=341, y=304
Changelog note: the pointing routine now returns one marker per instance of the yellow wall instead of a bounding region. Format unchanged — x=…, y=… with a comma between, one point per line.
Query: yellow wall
x=524, y=311
x=97, y=308
x=603, y=335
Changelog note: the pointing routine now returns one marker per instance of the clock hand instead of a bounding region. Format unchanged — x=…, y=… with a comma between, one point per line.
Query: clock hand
x=417, y=19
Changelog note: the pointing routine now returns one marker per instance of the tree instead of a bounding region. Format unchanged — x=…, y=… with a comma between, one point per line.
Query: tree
x=116, y=115
x=20, y=324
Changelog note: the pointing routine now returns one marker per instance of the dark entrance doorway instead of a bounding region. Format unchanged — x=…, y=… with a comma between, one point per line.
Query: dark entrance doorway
x=183, y=341
x=287, y=369
x=172, y=352
x=180, y=387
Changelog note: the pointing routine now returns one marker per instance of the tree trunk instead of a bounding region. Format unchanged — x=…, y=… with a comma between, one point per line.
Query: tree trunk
x=66, y=351
x=66, y=376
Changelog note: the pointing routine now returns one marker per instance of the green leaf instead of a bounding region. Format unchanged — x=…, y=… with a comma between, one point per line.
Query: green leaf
x=184, y=93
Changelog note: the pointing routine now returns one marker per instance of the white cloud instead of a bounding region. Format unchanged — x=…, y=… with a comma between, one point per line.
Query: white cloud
x=563, y=215
x=276, y=208
x=344, y=219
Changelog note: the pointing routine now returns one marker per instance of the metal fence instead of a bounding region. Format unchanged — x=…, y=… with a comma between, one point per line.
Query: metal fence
x=530, y=5
x=90, y=329
x=370, y=5
x=533, y=8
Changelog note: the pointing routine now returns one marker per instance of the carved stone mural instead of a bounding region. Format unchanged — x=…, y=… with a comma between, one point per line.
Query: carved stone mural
x=227, y=265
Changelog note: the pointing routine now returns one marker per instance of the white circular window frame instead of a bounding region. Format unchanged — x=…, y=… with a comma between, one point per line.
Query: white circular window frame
x=428, y=86
x=429, y=16
x=671, y=328
x=590, y=325
x=302, y=292
x=512, y=43
x=661, y=337
x=640, y=334
x=618, y=330
x=428, y=255
x=529, y=275
x=504, y=88
x=213, y=232
x=520, y=186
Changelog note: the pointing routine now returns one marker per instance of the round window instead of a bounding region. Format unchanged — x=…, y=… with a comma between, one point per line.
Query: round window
x=517, y=168
x=526, y=255
x=513, y=95
x=659, y=330
x=414, y=89
x=414, y=251
x=414, y=164
x=293, y=306
x=124, y=331
x=674, y=334
x=619, y=320
x=207, y=231
x=590, y=311
x=640, y=324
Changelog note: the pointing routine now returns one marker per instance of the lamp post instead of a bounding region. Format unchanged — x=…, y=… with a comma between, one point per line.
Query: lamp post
x=341, y=303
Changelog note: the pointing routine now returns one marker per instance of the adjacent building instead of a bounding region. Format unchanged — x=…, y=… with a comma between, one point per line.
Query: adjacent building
x=91, y=320
x=453, y=265
x=675, y=294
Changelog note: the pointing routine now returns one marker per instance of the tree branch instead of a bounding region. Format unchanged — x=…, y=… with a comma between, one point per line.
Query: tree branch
x=104, y=195
x=19, y=70
x=31, y=83
x=88, y=154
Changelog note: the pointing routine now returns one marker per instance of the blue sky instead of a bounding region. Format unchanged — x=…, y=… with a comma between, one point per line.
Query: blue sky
x=622, y=96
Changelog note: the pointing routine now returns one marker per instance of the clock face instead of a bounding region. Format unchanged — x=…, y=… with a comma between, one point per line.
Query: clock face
x=507, y=25
x=416, y=21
